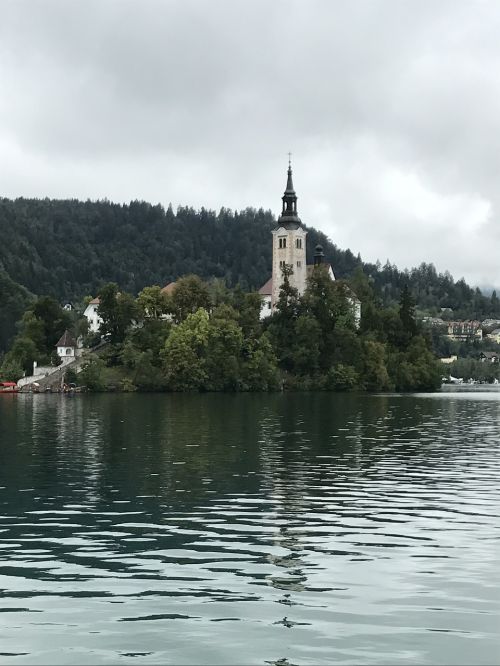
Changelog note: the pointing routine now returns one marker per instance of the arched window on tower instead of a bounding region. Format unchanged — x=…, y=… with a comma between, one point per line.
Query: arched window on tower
x=282, y=242
x=298, y=243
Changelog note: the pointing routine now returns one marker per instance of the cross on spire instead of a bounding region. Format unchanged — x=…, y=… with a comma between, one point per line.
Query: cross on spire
x=289, y=159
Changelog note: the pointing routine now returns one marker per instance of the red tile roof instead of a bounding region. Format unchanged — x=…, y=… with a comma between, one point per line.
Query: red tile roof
x=267, y=288
x=169, y=288
x=66, y=340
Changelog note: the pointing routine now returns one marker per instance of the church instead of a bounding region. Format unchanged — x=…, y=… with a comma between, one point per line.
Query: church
x=289, y=247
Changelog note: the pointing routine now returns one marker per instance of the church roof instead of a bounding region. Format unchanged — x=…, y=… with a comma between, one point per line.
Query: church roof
x=66, y=340
x=289, y=218
x=169, y=288
x=267, y=289
x=310, y=268
x=284, y=223
x=95, y=301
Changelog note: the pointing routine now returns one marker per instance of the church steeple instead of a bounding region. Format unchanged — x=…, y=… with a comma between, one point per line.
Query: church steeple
x=289, y=198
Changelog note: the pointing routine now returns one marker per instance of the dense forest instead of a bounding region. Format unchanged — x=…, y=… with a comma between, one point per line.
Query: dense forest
x=68, y=249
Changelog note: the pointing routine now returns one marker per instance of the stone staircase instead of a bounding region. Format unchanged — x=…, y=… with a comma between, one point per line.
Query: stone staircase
x=55, y=378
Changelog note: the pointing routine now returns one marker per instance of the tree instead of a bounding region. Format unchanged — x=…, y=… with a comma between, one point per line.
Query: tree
x=407, y=312
x=259, y=371
x=342, y=378
x=375, y=376
x=248, y=306
x=153, y=303
x=223, y=354
x=326, y=302
x=282, y=322
x=117, y=311
x=185, y=353
x=306, y=345
x=189, y=295
x=92, y=374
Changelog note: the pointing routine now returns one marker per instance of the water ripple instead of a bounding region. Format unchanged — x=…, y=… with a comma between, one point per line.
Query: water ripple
x=308, y=528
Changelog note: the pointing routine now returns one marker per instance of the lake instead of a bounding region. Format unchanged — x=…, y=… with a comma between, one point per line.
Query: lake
x=250, y=529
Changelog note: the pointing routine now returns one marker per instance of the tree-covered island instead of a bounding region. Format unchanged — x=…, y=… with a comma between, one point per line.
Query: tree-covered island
x=204, y=336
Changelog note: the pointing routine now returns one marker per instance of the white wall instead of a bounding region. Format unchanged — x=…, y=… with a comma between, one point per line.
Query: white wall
x=93, y=318
x=265, y=308
x=290, y=255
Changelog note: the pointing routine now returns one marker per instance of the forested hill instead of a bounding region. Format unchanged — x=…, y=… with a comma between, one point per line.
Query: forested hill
x=68, y=248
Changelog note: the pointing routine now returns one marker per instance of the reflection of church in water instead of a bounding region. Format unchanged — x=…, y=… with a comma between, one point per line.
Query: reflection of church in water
x=289, y=248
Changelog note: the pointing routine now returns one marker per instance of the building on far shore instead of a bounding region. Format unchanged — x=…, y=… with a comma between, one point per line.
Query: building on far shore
x=449, y=359
x=465, y=330
x=489, y=357
x=92, y=316
x=494, y=336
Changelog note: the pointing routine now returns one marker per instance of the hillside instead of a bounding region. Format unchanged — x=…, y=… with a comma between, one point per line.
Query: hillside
x=68, y=248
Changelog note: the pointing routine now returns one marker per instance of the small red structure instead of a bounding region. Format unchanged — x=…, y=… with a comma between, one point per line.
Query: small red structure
x=8, y=387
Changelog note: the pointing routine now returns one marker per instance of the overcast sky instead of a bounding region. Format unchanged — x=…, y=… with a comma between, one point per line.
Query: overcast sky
x=391, y=109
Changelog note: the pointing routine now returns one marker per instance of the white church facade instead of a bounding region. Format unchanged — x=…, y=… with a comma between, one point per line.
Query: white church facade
x=289, y=248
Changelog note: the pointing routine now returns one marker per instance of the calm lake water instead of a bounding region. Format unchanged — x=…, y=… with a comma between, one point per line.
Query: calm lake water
x=266, y=529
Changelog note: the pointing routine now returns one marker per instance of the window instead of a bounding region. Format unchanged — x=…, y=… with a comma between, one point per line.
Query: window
x=298, y=243
x=282, y=263
x=299, y=264
x=68, y=352
x=282, y=243
x=268, y=305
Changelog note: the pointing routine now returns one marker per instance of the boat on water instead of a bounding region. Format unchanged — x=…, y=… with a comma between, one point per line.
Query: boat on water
x=8, y=387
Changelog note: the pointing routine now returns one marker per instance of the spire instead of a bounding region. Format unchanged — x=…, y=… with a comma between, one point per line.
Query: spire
x=289, y=198
x=319, y=255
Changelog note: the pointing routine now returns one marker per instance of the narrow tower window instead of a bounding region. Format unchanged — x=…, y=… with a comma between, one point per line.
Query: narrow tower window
x=282, y=243
x=298, y=243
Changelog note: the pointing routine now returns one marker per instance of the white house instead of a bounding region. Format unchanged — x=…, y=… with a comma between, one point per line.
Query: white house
x=67, y=349
x=92, y=316
x=289, y=247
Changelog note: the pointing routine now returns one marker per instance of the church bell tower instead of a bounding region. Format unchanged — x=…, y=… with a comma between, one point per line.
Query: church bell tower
x=289, y=243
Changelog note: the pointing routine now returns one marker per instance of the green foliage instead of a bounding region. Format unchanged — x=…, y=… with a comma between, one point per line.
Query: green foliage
x=153, y=303
x=117, y=311
x=185, y=353
x=306, y=345
x=71, y=377
x=415, y=369
x=189, y=295
x=407, y=312
x=14, y=299
x=309, y=343
x=282, y=321
x=342, y=378
x=259, y=371
x=40, y=328
x=375, y=376
x=92, y=374
x=127, y=385
x=473, y=368
x=11, y=369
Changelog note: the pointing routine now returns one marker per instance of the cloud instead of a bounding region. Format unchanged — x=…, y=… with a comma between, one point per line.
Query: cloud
x=391, y=110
